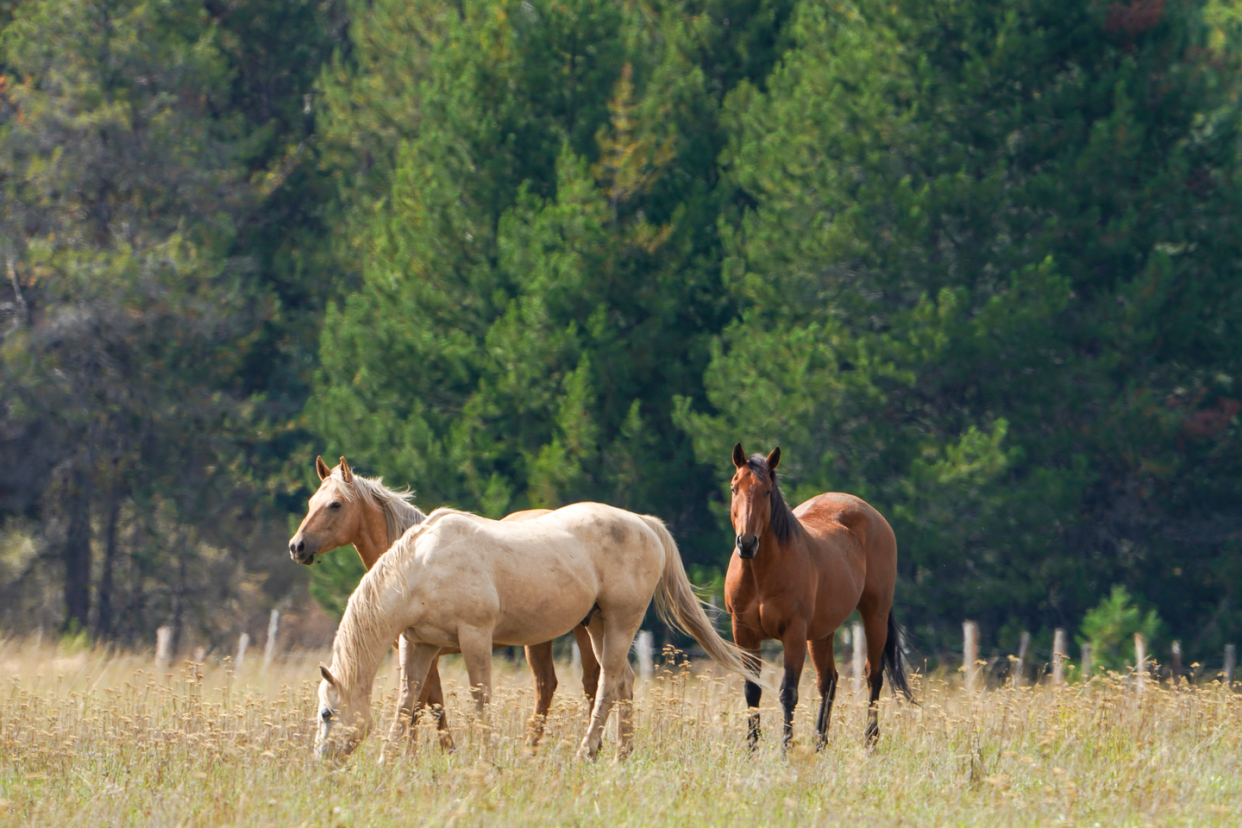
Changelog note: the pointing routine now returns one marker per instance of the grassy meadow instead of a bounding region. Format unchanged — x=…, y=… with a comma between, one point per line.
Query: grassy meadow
x=99, y=738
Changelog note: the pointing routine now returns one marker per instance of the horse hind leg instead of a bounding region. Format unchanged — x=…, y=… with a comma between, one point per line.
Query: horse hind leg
x=625, y=712
x=612, y=640
x=539, y=656
x=876, y=628
x=826, y=677
x=590, y=664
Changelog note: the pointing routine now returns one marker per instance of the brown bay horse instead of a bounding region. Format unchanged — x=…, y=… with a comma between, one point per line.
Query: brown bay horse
x=349, y=508
x=797, y=574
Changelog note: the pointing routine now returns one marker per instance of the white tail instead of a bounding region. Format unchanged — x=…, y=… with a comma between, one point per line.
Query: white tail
x=680, y=608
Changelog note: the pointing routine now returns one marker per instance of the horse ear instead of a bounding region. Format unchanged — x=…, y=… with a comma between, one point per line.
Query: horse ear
x=327, y=674
x=739, y=456
x=774, y=459
x=322, y=468
x=346, y=474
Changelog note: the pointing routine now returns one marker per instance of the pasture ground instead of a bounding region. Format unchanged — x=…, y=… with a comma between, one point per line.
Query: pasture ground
x=98, y=738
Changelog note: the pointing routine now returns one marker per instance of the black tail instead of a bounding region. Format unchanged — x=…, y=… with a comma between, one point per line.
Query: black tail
x=894, y=662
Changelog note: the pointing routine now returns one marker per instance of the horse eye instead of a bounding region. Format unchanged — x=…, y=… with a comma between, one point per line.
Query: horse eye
x=336, y=504
x=326, y=715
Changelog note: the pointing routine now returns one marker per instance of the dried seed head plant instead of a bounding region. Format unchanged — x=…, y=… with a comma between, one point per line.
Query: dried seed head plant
x=98, y=735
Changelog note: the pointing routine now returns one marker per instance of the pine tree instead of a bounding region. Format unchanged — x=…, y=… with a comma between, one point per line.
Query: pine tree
x=986, y=276
x=119, y=370
x=541, y=273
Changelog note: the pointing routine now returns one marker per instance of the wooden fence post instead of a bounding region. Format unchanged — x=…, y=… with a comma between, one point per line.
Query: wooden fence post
x=1024, y=644
x=1086, y=662
x=1231, y=660
x=643, y=645
x=859, y=639
x=269, y=649
x=243, y=641
x=163, y=647
x=1140, y=662
x=1058, y=656
x=970, y=653
x=1177, y=663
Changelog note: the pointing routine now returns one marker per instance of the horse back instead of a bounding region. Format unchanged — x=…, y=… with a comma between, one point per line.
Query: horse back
x=836, y=517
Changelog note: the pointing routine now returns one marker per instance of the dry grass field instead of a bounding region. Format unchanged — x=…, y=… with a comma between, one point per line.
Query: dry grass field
x=98, y=738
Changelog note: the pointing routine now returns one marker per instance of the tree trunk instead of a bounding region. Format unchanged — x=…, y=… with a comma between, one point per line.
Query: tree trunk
x=77, y=550
x=103, y=625
x=179, y=595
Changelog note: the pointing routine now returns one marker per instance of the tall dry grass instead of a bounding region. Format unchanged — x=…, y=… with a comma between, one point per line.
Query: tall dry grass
x=98, y=738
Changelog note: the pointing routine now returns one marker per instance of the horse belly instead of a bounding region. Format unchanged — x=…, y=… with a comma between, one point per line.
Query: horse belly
x=545, y=600
x=537, y=625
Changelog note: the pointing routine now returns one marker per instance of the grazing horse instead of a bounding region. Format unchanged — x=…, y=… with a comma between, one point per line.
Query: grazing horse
x=460, y=580
x=349, y=508
x=796, y=575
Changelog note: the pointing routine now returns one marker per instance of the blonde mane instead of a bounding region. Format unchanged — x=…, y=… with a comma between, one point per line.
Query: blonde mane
x=363, y=623
x=399, y=513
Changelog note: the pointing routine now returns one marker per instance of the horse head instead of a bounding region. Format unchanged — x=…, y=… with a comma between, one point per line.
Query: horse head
x=344, y=716
x=755, y=496
x=333, y=517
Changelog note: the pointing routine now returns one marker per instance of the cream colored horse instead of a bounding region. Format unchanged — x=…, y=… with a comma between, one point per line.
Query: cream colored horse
x=459, y=580
x=349, y=508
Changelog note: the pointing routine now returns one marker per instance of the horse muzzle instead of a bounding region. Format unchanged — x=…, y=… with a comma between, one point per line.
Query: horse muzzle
x=301, y=552
x=746, y=548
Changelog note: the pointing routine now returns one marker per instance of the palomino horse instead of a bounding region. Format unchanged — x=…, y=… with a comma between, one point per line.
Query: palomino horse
x=349, y=508
x=459, y=580
x=796, y=576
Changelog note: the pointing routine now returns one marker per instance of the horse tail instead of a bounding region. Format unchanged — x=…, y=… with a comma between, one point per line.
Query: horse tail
x=680, y=608
x=893, y=660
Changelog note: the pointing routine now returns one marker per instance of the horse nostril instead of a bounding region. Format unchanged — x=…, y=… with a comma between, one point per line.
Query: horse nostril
x=738, y=541
x=301, y=546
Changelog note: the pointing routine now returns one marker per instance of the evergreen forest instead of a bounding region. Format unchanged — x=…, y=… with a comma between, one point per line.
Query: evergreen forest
x=979, y=263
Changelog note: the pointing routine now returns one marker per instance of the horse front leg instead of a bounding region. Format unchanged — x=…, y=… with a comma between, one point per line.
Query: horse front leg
x=539, y=657
x=794, y=641
x=748, y=641
x=417, y=663
x=476, y=651
x=433, y=697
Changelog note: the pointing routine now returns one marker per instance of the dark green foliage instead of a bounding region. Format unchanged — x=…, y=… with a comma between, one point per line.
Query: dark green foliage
x=988, y=278
x=975, y=262
x=543, y=276
x=137, y=156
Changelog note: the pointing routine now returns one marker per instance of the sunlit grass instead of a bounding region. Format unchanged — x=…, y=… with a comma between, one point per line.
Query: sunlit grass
x=98, y=738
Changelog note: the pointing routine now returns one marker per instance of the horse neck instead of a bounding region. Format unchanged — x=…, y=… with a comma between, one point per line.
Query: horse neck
x=772, y=559
x=372, y=539
x=385, y=517
x=366, y=633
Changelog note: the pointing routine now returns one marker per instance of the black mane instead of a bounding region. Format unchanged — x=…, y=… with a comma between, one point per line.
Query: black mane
x=783, y=522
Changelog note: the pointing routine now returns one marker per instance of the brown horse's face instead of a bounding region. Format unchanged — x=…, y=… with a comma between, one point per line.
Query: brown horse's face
x=331, y=520
x=751, y=509
x=343, y=717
